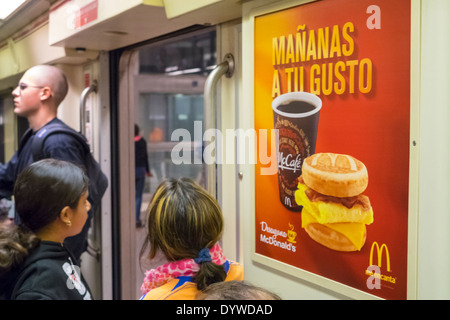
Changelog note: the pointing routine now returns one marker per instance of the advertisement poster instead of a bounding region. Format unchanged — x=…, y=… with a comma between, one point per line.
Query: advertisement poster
x=355, y=57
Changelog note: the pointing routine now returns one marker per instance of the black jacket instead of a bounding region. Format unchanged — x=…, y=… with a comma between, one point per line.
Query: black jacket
x=59, y=146
x=50, y=272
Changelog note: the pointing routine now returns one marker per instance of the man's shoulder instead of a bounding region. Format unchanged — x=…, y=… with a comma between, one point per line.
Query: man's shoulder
x=64, y=136
x=65, y=146
x=59, y=140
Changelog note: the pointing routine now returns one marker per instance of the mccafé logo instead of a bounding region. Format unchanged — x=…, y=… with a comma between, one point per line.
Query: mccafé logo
x=289, y=163
x=374, y=271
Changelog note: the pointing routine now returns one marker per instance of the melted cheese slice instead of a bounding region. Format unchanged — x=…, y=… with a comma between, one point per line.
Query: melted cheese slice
x=325, y=212
x=353, y=231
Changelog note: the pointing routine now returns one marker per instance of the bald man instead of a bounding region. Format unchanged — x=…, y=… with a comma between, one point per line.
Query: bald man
x=39, y=93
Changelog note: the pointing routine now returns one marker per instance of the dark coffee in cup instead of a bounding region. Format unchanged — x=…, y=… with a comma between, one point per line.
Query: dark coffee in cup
x=296, y=107
x=296, y=116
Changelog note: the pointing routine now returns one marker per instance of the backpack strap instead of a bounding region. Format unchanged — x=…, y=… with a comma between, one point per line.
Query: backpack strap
x=24, y=139
x=45, y=132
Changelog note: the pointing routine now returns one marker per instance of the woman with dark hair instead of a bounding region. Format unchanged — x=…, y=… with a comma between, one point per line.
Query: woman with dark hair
x=185, y=224
x=51, y=200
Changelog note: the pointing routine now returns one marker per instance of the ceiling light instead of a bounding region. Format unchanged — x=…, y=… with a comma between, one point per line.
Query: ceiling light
x=9, y=7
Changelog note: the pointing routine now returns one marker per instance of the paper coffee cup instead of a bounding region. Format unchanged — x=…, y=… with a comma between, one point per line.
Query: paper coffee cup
x=296, y=116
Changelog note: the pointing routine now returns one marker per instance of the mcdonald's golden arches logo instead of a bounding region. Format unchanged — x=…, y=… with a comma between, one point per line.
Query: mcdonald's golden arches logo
x=380, y=255
x=374, y=271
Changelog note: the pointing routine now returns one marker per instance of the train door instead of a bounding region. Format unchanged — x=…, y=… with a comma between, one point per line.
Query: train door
x=162, y=96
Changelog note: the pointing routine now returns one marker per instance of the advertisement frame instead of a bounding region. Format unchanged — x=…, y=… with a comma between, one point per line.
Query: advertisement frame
x=413, y=206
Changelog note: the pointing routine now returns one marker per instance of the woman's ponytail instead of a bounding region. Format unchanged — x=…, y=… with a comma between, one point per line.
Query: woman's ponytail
x=209, y=273
x=15, y=244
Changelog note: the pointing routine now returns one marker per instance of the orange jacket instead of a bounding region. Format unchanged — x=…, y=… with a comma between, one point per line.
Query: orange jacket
x=182, y=288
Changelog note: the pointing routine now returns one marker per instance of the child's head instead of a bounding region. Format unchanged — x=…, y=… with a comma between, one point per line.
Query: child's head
x=44, y=188
x=182, y=219
x=236, y=290
x=41, y=192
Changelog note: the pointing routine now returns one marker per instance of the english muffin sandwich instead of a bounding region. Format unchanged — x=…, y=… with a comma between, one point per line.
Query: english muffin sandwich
x=335, y=212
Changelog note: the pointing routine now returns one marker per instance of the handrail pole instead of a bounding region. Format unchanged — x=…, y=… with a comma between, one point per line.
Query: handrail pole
x=84, y=96
x=91, y=250
x=224, y=68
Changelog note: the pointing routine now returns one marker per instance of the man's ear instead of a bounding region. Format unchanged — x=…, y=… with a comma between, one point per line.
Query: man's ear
x=46, y=93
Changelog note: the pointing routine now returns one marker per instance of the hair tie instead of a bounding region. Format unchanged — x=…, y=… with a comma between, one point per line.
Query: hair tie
x=203, y=256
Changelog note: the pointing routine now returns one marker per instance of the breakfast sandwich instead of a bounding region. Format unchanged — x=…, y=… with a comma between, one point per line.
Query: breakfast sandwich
x=335, y=212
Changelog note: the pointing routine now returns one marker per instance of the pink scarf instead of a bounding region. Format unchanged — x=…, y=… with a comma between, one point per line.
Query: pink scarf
x=188, y=267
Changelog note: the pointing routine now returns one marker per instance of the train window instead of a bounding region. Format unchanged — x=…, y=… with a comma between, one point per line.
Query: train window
x=165, y=113
x=171, y=81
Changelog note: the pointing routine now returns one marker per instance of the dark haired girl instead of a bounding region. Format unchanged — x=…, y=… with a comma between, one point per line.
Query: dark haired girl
x=51, y=201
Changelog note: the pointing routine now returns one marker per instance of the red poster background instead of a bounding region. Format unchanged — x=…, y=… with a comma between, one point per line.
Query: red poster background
x=373, y=127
